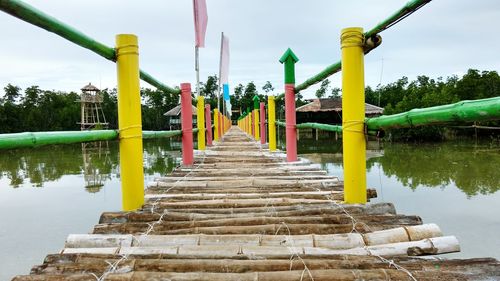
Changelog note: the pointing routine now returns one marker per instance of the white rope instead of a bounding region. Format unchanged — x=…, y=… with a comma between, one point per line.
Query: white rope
x=354, y=223
x=396, y=266
x=113, y=267
x=293, y=251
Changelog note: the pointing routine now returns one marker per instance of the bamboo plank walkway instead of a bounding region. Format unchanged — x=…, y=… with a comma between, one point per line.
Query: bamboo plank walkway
x=243, y=213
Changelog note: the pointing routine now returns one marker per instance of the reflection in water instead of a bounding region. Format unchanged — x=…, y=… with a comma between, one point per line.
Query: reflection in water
x=98, y=162
x=472, y=167
x=94, y=155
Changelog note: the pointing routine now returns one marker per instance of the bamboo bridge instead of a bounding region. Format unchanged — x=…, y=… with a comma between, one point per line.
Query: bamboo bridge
x=238, y=209
x=241, y=212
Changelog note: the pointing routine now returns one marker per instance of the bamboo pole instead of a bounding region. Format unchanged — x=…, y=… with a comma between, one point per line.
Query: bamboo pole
x=353, y=114
x=129, y=120
x=200, y=121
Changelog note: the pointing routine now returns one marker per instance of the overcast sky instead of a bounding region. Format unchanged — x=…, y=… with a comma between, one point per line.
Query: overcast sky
x=443, y=38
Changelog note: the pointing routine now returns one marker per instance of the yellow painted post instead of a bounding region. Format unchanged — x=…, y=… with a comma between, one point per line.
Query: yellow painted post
x=353, y=115
x=256, y=124
x=216, y=124
x=200, y=122
x=271, y=111
x=129, y=122
x=250, y=123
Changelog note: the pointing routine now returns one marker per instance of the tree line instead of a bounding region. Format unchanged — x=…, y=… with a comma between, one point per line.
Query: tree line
x=35, y=109
x=50, y=110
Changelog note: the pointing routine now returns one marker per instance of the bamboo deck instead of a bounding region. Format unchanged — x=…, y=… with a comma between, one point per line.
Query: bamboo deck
x=243, y=213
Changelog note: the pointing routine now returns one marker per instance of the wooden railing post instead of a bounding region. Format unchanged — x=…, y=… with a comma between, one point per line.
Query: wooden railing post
x=353, y=115
x=256, y=118
x=262, y=123
x=289, y=59
x=129, y=122
x=187, y=124
x=200, y=121
x=271, y=112
x=208, y=121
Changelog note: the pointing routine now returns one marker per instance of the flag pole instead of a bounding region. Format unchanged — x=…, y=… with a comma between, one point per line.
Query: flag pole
x=197, y=69
x=220, y=72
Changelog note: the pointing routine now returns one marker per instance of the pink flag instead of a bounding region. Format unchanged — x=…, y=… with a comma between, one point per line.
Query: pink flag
x=224, y=60
x=200, y=21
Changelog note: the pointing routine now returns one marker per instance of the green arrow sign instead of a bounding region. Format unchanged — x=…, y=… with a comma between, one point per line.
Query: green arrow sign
x=289, y=59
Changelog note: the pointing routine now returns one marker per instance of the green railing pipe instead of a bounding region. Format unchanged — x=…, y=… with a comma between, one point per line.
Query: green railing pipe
x=160, y=134
x=320, y=126
x=36, y=17
x=29, y=139
x=405, y=11
x=36, y=139
x=396, y=17
x=153, y=82
x=463, y=111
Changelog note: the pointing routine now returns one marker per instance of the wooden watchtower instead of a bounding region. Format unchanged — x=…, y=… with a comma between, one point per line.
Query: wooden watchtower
x=92, y=115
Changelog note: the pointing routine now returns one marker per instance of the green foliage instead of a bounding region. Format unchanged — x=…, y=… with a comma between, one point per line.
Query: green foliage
x=210, y=91
x=268, y=87
x=44, y=110
x=335, y=93
x=321, y=92
x=403, y=95
x=155, y=104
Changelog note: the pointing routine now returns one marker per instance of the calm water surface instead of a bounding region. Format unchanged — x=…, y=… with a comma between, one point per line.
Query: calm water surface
x=50, y=192
x=453, y=184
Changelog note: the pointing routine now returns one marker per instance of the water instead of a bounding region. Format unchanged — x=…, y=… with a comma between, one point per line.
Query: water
x=50, y=192
x=453, y=184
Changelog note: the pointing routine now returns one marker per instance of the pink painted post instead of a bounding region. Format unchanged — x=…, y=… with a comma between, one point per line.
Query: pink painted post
x=291, y=130
x=208, y=126
x=262, y=123
x=187, y=124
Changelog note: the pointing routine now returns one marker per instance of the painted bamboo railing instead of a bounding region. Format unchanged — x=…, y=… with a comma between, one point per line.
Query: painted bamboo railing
x=36, y=139
x=463, y=111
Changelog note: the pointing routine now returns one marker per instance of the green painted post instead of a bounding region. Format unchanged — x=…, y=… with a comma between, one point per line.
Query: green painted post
x=256, y=102
x=289, y=59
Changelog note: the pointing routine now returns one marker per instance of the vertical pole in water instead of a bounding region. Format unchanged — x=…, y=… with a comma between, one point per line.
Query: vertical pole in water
x=353, y=115
x=187, y=124
x=208, y=121
x=216, y=124
x=262, y=123
x=129, y=121
x=271, y=112
x=289, y=59
x=200, y=121
x=256, y=117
